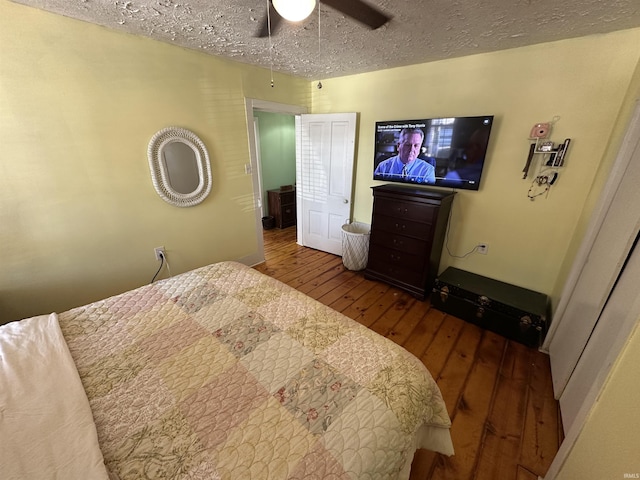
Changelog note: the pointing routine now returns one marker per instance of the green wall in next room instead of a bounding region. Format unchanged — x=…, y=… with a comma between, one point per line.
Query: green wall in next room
x=277, y=151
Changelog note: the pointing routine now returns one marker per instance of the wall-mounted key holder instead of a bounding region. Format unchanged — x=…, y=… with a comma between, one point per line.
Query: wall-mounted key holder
x=546, y=158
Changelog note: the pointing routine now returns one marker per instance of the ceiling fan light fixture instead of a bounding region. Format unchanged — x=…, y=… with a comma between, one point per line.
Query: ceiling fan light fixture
x=294, y=10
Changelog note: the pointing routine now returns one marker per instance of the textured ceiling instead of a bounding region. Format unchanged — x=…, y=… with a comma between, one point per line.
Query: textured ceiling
x=420, y=31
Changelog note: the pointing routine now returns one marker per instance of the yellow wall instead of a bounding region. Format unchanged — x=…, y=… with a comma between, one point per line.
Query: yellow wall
x=582, y=81
x=79, y=217
x=613, y=146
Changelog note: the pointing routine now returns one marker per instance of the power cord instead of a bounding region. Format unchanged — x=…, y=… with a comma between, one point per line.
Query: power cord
x=162, y=262
x=160, y=268
x=446, y=239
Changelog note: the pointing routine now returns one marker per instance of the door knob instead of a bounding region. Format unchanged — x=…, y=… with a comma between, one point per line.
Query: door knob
x=345, y=201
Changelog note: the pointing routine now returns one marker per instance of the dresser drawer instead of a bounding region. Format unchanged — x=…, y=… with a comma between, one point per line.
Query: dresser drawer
x=414, y=261
x=401, y=226
x=396, y=274
x=400, y=242
x=288, y=214
x=419, y=212
x=288, y=198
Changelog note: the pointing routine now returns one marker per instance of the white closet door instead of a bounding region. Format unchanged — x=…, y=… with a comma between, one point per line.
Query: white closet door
x=614, y=326
x=580, y=321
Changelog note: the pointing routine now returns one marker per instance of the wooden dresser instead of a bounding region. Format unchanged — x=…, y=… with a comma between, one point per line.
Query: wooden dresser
x=282, y=206
x=407, y=235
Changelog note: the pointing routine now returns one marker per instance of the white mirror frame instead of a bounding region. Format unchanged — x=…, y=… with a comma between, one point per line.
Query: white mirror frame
x=159, y=175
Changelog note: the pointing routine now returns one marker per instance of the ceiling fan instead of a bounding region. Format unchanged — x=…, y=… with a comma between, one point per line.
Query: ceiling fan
x=356, y=9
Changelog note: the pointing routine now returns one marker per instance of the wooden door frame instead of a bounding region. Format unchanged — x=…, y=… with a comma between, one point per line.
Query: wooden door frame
x=265, y=106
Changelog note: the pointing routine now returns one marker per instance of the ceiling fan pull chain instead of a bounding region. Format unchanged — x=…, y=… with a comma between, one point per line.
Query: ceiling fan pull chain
x=270, y=45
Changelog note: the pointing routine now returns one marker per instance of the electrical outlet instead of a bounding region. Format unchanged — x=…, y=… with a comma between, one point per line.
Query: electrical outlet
x=482, y=248
x=159, y=251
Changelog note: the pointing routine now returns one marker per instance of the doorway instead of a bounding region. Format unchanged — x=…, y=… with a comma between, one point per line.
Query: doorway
x=260, y=192
x=276, y=150
x=324, y=168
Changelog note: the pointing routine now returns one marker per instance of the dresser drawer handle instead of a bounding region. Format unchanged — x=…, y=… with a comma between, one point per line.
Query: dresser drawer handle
x=397, y=242
x=402, y=227
x=444, y=294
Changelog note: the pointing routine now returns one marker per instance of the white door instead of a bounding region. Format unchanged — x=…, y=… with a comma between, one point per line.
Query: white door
x=581, y=318
x=615, y=324
x=325, y=154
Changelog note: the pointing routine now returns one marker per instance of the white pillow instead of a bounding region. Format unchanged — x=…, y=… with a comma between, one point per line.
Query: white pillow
x=46, y=425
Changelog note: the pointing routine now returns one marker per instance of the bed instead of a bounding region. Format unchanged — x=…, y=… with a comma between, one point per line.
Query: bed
x=218, y=373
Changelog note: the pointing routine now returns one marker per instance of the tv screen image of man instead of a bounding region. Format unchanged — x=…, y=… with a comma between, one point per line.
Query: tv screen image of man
x=406, y=166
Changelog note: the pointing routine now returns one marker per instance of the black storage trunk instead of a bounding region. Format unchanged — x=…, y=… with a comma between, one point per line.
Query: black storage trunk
x=513, y=312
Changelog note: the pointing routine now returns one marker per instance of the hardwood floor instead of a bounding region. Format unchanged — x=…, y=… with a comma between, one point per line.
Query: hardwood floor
x=505, y=421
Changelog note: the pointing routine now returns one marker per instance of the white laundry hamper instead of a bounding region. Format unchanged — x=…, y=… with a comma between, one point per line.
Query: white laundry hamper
x=355, y=245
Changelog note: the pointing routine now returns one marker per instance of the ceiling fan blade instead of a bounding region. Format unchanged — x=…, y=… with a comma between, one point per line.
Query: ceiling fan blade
x=360, y=11
x=276, y=20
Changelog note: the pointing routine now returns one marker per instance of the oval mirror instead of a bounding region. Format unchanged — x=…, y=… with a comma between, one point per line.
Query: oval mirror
x=180, y=168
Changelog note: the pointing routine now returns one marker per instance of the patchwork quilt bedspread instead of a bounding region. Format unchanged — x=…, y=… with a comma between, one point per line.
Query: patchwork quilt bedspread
x=225, y=373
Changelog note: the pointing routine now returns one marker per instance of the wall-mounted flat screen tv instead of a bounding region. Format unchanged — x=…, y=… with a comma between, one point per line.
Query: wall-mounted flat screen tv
x=444, y=152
